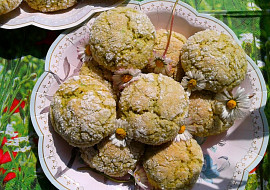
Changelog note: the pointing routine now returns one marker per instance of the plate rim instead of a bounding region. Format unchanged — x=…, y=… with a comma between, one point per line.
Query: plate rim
x=33, y=21
x=246, y=171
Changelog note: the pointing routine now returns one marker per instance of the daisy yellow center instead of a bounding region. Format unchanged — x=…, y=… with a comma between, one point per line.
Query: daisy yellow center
x=137, y=176
x=87, y=50
x=126, y=78
x=182, y=129
x=192, y=83
x=172, y=70
x=159, y=63
x=120, y=133
x=231, y=104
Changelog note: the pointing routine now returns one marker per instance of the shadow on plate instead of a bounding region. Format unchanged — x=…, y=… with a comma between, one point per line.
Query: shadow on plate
x=70, y=156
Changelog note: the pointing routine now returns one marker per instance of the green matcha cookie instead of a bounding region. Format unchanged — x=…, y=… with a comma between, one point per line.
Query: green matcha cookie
x=175, y=165
x=113, y=160
x=155, y=107
x=122, y=38
x=8, y=5
x=204, y=115
x=218, y=57
x=92, y=69
x=83, y=111
x=172, y=55
x=50, y=5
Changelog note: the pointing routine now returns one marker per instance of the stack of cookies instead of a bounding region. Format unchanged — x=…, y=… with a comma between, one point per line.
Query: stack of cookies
x=142, y=95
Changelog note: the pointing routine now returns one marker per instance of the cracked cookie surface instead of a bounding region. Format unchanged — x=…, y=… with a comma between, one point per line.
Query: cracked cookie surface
x=83, y=111
x=122, y=38
x=175, y=165
x=8, y=5
x=113, y=160
x=155, y=107
x=176, y=43
x=50, y=5
x=204, y=115
x=220, y=59
x=92, y=69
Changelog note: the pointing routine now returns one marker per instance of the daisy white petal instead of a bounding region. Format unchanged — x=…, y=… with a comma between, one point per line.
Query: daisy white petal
x=184, y=82
x=239, y=92
x=221, y=97
x=189, y=74
x=183, y=134
x=227, y=95
x=140, y=178
x=119, y=137
x=260, y=63
x=160, y=64
x=183, y=137
x=117, y=141
x=235, y=105
x=124, y=77
x=83, y=50
x=188, y=92
x=122, y=86
x=121, y=123
x=194, y=80
x=188, y=123
x=200, y=86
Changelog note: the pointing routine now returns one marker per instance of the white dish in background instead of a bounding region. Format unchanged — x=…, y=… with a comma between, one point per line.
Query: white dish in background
x=228, y=157
x=73, y=16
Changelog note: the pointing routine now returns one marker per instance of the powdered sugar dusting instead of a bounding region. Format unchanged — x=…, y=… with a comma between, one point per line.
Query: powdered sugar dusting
x=149, y=77
x=222, y=61
x=155, y=106
x=83, y=115
x=76, y=78
x=122, y=38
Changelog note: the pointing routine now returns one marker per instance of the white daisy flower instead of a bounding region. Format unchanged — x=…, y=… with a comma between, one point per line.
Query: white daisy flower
x=260, y=63
x=123, y=77
x=140, y=178
x=160, y=64
x=235, y=105
x=249, y=38
x=83, y=50
x=183, y=134
x=119, y=137
x=194, y=80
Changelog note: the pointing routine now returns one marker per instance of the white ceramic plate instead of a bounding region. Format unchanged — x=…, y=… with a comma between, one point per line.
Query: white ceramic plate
x=228, y=157
x=24, y=15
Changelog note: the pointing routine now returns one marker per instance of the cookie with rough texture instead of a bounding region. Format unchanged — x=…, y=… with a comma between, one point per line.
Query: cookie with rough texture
x=8, y=5
x=176, y=43
x=83, y=111
x=155, y=107
x=204, y=115
x=50, y=5
x=218, y=57
x=122, y=38
x=111, y=159
x=175, y=165
x=92, y=69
